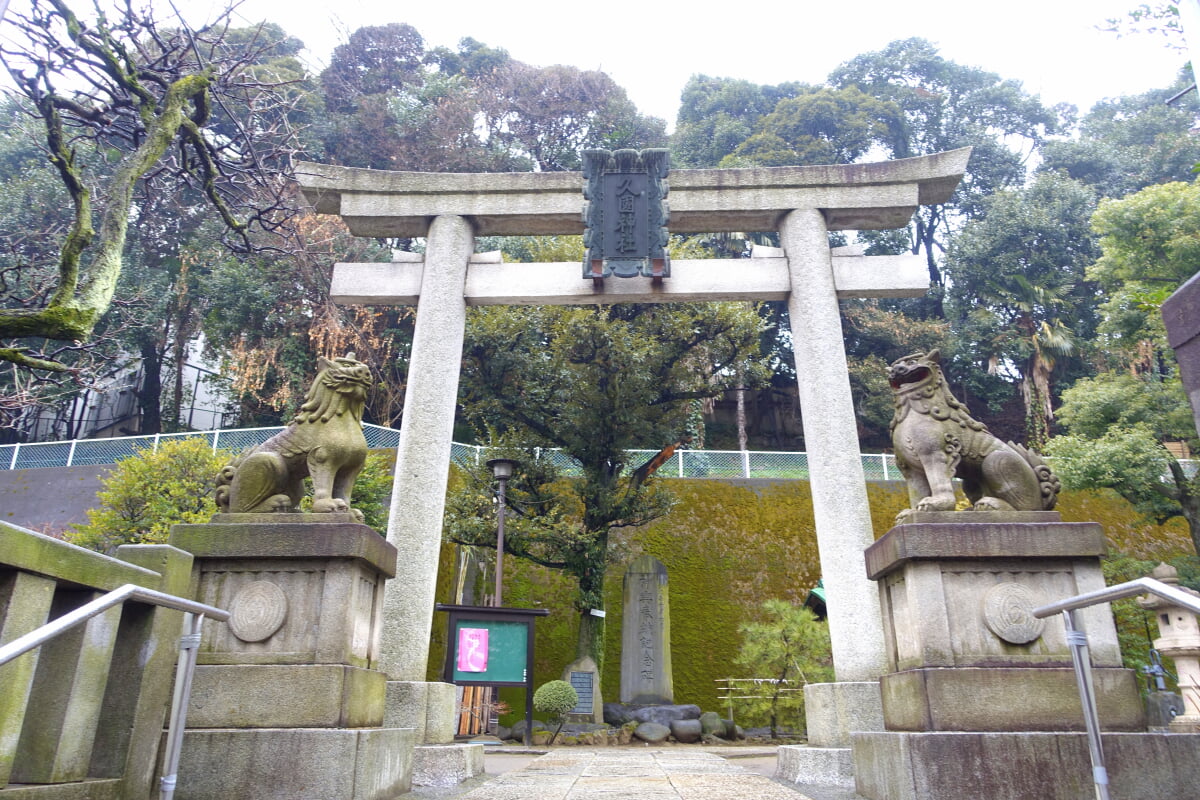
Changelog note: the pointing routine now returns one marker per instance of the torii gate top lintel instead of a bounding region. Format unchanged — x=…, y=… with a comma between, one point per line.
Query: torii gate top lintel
x=878, y=195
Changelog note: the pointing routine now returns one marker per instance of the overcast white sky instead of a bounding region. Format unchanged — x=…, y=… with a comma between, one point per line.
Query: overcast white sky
x=651, y=48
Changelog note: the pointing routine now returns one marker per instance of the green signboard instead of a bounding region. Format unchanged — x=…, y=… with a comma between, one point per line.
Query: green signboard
x=492, y=647
x=489, y=651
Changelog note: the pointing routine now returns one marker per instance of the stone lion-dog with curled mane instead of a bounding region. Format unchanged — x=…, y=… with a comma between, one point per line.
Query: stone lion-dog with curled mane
x=936, y=440
x=324, y=440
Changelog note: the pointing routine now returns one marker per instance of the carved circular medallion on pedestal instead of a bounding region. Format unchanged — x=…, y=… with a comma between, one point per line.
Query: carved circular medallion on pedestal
x=1008, y=613
x=257, y=611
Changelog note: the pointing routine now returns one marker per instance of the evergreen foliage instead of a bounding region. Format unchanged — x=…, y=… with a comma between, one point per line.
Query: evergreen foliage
x=1018, y=291
x=785, y=650
x=595, y=383
x=556, y=699
x=144, y=495
x=1116, y=426
x=1118, y=422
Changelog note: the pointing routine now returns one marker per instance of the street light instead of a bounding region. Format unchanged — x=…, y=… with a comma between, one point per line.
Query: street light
x=502, y=470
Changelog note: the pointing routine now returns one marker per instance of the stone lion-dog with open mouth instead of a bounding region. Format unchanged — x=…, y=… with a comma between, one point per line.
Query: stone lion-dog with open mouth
x=936, y=440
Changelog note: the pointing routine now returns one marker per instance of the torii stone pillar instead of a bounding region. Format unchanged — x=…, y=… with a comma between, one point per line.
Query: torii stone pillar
x=839, y=487
x=423, y=453
x=803, y=203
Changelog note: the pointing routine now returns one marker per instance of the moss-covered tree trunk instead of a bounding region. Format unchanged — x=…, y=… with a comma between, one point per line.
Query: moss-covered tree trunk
x=594, y=564
x=591, y=639
x=81, y=299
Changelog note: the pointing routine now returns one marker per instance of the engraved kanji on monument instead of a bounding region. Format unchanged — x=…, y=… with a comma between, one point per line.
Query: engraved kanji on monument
x=646, y=635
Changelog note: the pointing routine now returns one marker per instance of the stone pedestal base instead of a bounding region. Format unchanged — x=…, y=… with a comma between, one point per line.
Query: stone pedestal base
x=446, y=764
x=819, y=766
x=1007, y=699
x=296, y=764
x=426, y=707
x=286, y=702
x=1020, y=766
x=965, y=652
x=833, y=710
x=1184, y=724
x=286, y=696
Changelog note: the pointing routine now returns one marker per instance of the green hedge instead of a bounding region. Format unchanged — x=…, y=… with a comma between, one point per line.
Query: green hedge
x=727, y=547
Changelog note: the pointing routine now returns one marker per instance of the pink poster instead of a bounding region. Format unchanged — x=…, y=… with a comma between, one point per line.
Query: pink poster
x=472, y=649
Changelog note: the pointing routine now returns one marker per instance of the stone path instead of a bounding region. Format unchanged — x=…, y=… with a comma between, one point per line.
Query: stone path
x=653, y=774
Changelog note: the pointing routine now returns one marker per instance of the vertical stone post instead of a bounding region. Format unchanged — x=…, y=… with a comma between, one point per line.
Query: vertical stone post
x=66, y=697
x=25, y=600
x=423, y=453
x=839, y=486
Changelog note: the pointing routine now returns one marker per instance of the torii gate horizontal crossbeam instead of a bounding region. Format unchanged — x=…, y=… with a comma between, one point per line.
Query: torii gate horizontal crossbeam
x=873, y=196
x=759, y=278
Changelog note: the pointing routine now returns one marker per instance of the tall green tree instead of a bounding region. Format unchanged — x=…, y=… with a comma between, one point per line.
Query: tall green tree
x=1150, y=237
x=1018, y=288
x=544, y=116
x=716, y=115
x=1117, y=423
x=945, y=106
x=819, y=126
x=374, y=60
x=1128, y=143
x=1149, y=244
x=397, y=106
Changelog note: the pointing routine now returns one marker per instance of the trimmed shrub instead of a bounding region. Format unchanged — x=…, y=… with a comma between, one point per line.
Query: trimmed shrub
x=555, y=698
x=146, y=494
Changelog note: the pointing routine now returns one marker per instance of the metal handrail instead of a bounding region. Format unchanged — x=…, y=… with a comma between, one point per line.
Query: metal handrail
x=189, y=644
x=1120, y=591
x=1077, y=641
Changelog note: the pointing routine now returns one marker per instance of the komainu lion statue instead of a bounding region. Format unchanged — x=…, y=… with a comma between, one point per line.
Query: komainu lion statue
x=936, y=440
x=324, y=440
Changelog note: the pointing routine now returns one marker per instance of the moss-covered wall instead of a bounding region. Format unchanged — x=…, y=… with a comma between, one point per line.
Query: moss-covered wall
x=728, y=546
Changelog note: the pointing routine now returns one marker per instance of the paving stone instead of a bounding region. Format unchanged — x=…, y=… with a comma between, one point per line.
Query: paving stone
x=654, y=774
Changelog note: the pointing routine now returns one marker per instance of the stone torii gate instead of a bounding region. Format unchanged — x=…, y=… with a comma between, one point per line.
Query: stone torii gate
x=802, y=203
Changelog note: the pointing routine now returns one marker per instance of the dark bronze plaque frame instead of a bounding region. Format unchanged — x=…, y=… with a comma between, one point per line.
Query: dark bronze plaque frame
x=626, y=213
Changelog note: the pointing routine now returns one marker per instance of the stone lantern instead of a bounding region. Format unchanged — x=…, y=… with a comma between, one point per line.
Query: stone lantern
x=1179, y=639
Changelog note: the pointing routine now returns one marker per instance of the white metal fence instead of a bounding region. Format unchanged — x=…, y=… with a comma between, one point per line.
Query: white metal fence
x=683, y=464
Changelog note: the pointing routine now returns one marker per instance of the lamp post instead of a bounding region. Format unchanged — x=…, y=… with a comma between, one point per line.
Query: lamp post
x=502, y=470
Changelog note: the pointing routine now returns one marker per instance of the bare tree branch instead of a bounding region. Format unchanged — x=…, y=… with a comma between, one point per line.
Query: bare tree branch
x=182, y=107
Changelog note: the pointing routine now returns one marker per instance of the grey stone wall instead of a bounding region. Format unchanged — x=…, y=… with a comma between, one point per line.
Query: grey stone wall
x=49, y=500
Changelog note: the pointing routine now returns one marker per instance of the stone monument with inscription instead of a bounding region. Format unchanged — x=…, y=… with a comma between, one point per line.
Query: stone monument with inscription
x=584, y=678
x=646, y=635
